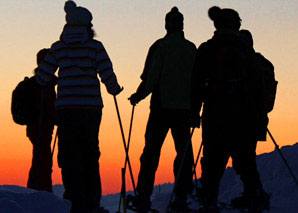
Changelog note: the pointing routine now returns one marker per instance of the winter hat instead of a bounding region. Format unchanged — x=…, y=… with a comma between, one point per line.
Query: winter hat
x=41, y=55
x=77, y=15
x=224, y=18
x=174, y=19
x=174, y=15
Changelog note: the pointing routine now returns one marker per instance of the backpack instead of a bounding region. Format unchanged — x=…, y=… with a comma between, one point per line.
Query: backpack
x=23, y=108
x=231, y=84
x=269, y=84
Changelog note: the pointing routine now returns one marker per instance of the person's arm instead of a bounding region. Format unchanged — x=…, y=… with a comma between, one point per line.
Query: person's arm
x=46, y=70
x=199, y=79
x=154, y=73
x=106, y=72
x=138, y=95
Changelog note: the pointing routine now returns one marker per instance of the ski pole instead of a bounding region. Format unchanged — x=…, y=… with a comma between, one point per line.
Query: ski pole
x=179, y=172
x=128, y=144
x=194, y=173
x=198, y=156
x=124, y=190
x=124, y=144
x=282, y=156
x=55, y=140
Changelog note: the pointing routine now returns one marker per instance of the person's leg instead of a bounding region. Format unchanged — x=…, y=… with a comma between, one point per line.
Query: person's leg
x=45, y=168
x=244, y=163
x=70, y=159
x=32, y=133
x=181, y=133
x=213, y=164
x=91, y=154
x=156, y=132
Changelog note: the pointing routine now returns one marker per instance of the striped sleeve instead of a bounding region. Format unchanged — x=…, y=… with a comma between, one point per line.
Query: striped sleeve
x=46, y=69
x=105, y=70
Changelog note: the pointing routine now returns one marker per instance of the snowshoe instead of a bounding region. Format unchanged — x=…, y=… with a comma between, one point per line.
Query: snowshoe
x=140, y=205
x=257, y=203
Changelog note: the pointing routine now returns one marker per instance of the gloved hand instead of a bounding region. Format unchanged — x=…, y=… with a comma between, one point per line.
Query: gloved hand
x=195, y=120
x=134, y=99
x=118, y=91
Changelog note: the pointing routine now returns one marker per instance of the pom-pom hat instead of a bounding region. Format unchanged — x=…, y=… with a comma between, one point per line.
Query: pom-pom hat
x=76, y=15
x=174, y=20
x=225, y=17
x=174, y=15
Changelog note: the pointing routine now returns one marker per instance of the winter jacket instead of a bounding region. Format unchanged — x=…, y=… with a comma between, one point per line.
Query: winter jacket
x=79, y=59
x=168, y=75
x=221, y=119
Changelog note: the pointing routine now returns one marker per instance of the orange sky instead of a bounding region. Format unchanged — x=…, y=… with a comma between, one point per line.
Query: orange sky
x=127, y=29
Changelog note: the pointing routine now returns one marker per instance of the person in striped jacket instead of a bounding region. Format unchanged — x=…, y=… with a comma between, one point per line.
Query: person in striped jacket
x=79, y=105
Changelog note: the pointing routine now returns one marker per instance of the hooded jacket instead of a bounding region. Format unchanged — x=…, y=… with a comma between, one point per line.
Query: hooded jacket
x=79, y=59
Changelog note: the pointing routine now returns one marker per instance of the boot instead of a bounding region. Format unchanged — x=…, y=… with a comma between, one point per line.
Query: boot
x=261, y=201
x=241, y=202
x=138, y=203
x=180, y=205
x=209, y=203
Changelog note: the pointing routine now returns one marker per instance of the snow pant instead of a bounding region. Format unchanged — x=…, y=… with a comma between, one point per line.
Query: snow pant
x=214, y=161
x=78, y=155
x=159, y=123
x=41, y=170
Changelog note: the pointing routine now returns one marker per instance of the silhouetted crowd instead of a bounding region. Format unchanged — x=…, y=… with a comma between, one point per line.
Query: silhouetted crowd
x=224, y=87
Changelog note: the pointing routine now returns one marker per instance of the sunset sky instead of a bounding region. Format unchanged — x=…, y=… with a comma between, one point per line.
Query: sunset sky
x=127, y=28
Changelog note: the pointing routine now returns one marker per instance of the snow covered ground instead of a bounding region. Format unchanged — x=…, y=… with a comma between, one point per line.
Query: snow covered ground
x=16, y=199
x=275, y=176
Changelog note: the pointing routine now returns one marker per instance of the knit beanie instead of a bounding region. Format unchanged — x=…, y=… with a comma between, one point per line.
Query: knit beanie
x=174, y=15
x=225, y=17
x=76, y=15
x=174, y=19
x=41, y=55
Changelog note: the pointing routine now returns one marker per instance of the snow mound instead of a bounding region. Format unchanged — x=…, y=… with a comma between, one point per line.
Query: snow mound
x=16, y=199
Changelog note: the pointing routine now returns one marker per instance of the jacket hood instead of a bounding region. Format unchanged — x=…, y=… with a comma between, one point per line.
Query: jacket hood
x=75, y=34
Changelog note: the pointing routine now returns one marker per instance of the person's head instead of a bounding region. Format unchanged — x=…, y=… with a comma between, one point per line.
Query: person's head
x=247, y=36
x=78, y=16
x=174, y=20
x=224, y=18
x=40, y=56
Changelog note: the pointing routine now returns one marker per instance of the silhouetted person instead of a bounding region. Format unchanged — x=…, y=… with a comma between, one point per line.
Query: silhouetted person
x=80, y=59
x=269, y=85
x=41, y=169
x=167, y=75
x=226, y=82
